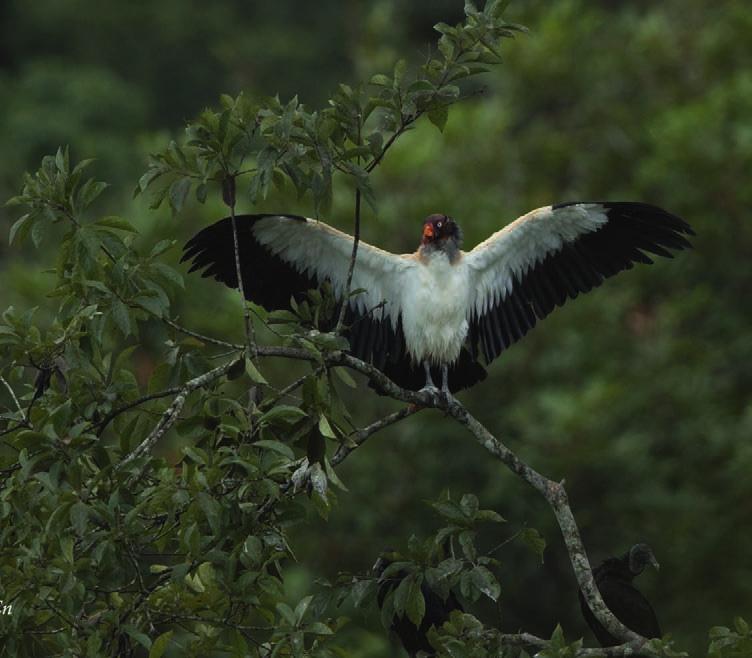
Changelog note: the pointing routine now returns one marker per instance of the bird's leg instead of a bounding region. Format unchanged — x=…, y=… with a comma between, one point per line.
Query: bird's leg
x=430, y=386
x=445, y=379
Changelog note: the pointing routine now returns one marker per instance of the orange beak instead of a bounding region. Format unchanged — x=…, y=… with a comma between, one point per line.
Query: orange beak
x=428, y=231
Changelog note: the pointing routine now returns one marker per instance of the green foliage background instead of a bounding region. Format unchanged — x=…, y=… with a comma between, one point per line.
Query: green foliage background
x=637, y=394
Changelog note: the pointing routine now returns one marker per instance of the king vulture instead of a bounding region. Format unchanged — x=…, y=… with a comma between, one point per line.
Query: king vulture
x=436, y=311
x=614, y=581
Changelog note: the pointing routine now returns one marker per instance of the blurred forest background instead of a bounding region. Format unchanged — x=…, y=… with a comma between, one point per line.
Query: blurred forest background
x=638, y=394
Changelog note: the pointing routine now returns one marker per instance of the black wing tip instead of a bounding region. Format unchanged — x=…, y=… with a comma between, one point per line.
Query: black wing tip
x=643, y=210
x=220, y=231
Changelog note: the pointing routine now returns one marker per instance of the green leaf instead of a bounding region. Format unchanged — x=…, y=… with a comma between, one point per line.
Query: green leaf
x=489, y=515
x=469, y=505
x=66, y=548
x=399, y=73
x=113, y=221
x=161, y=247
x=122, y=317
x=533, y=540
x=438, y=116
x=253, y=372
x=284, y=413
x=408, y=598
x=486, y=582
x=168, y=273
x=89, y=192
x=151, y=304
x=138, y=636
x=79, y=515
x=18, y=225
x=381, y=80
x=449, y=510
x=160, y=645
x=178, y=193
x=276, y=446
x=325, y=428
x=302, y=608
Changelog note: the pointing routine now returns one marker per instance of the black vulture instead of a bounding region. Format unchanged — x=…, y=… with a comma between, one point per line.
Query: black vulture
x=614, y=580
x=412, y=637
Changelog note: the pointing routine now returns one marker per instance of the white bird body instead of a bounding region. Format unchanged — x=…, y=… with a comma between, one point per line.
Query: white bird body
x=436, y=325
x=440, y=306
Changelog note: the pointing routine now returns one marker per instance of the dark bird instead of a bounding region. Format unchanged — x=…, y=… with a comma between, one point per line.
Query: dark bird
x=435, y=312
x=614, y=580
x=413, y=638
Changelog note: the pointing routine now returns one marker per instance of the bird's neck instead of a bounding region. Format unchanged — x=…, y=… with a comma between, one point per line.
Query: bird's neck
x=448, y=246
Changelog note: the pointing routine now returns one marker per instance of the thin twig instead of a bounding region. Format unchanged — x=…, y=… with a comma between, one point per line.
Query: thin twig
x=24, y=419
x=250, y=337
x=102, y=424
x=202, y=337
x=172, y=413
x=356, y=242
x=362, y=435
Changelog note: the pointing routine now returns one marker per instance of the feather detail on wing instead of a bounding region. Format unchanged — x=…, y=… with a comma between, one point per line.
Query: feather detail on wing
x=284, y=255
x=522, y=272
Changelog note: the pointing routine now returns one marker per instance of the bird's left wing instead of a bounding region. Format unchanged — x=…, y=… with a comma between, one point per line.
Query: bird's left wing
x=522, y=272
x=282, y=256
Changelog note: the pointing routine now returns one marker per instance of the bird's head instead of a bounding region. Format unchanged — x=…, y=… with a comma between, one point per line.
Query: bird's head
x=386, y=557
x=640, y=556
x=441, y=231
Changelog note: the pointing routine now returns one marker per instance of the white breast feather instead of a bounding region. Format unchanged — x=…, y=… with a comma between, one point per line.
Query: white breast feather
x=433, y=309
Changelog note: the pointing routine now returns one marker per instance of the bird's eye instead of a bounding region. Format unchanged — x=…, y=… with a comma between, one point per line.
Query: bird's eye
x=438, y=225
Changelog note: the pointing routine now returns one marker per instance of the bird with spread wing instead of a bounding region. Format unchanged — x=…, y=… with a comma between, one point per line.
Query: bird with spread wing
x=434, y=313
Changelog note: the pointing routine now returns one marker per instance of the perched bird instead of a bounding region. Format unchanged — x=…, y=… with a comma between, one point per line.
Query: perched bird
x=436, y=311
x=614, y=580
x=413, y=638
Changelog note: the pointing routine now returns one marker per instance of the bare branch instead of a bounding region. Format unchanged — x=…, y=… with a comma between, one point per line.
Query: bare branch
x=532, y=641
x=172, y=413
x=362, y=435
x=24, y=419
x=553, y=492
x=228, y=192
x=356, y=242
x=102, y=424
x=202, y=337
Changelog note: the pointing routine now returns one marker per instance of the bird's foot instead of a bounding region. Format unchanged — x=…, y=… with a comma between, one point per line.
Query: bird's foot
x=430, y=389
x=438, y=396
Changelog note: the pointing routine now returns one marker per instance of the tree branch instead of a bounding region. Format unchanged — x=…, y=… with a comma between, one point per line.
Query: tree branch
x=362, y=435
x=356, y=242
x=102, y=424
x=172, y=413
x=202, y=337
x=539, y=643
x=24, y=419
x=553, y=492
x=228, y=192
